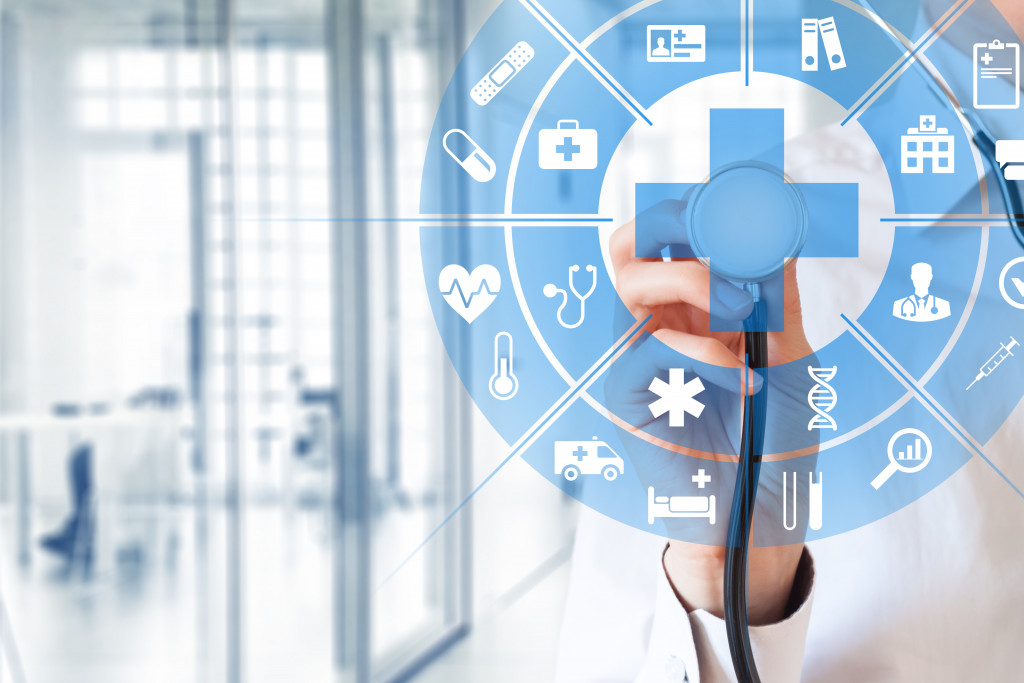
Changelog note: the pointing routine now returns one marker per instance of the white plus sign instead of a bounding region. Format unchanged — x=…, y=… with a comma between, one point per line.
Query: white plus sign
x=988, y=59
x=700, y=479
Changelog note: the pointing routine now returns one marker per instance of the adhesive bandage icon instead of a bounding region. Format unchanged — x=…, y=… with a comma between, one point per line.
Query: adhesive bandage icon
x=502, y=73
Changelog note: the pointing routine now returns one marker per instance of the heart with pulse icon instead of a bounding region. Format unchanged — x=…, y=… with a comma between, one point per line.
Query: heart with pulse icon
x=469, y=294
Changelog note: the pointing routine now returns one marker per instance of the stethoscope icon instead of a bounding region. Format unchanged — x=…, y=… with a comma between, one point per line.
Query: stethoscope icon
x=912, y=300
x=551, y=291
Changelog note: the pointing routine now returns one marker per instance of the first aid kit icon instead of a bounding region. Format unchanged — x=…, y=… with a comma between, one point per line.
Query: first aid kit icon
x=568, y=147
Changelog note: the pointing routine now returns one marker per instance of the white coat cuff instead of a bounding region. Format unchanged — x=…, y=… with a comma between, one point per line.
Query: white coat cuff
x=693, y=648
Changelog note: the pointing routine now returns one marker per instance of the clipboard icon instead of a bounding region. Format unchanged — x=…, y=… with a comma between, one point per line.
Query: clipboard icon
x=996, y=75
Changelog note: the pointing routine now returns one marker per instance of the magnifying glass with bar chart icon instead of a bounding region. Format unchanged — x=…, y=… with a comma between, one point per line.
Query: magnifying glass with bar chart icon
x=914, y=456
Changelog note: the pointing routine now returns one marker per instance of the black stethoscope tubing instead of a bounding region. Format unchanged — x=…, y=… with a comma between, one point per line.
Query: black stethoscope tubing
x=736, y=618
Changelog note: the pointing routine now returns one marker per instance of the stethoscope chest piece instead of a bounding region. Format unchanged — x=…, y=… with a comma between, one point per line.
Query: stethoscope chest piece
x=747, y=222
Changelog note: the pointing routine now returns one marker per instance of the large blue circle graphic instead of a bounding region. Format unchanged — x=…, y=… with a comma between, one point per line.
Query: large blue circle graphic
x=605, y=407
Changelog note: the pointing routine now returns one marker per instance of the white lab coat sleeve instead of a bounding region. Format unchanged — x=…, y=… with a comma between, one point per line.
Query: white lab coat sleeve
x=693, y=647
x=610, y=601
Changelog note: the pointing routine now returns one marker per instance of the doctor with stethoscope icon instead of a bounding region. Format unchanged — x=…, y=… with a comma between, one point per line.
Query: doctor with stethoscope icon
x=921, y=306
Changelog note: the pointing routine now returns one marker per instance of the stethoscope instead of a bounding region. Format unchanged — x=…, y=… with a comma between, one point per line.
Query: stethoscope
x=736, y=618
x=707, y=210
x=912, y=300
x=551, y=291
x=983, y=140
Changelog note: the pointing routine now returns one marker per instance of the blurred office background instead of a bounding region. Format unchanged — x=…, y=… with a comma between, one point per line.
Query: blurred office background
x=222, y=428
x=206, y=413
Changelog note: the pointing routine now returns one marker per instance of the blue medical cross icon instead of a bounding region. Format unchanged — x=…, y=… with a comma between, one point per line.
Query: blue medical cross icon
x=743, y=136
x=580, y=453
x=568, y=149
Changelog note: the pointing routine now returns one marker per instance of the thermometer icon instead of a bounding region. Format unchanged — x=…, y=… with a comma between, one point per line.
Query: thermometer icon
x=504, y=384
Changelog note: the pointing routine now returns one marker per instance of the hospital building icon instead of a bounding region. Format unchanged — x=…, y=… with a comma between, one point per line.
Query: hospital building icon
x=925, y=144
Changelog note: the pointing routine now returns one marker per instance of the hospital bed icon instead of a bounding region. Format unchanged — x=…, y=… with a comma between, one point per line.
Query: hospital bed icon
x=679, y=506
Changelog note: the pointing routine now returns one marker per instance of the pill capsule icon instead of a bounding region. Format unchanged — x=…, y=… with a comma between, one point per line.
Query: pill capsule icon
x=469, y=155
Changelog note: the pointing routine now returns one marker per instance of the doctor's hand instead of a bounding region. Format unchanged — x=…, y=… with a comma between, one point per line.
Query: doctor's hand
x=678, y=295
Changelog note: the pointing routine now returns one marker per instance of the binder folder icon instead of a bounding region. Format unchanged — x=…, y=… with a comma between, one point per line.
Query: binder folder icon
x=829, y=33
x=996, y=75
x=1010, y=155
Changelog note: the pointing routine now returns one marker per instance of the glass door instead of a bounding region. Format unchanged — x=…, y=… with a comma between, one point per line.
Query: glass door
x=404, y=418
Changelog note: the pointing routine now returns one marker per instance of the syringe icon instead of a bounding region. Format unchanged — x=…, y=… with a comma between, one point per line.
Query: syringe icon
x=995, y=361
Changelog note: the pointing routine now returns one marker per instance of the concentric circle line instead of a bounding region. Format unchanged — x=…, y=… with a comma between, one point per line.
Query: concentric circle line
x=557, y=242
x=587, y=60
x=517, y=154
x=947, y=91
x=567, y=376
x=906, y=62
x=534, y=432
x=927, y=400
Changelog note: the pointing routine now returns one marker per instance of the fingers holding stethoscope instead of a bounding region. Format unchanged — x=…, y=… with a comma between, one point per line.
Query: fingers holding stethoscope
x=661, y=226
x=644, y=283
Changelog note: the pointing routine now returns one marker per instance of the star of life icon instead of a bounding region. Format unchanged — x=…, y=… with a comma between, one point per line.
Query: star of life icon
x=926, y=143
x=822, y=398
x=677, y=397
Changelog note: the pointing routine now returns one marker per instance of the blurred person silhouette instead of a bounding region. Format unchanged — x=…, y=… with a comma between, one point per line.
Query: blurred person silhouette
x=74, y=540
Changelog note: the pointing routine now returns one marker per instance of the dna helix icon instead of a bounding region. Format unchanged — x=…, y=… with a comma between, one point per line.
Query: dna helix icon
x=822, y=398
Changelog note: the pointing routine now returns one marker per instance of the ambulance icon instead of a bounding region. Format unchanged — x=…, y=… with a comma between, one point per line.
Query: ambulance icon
x=573, y=458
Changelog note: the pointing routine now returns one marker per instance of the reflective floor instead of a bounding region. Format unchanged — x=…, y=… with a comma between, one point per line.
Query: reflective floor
x=152, y=608
x=517, y=641
x=154, y=604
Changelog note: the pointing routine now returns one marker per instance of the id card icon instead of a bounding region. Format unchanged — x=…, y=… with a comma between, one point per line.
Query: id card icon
x=997, y=75
x=676, y=43
x=568, y=148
